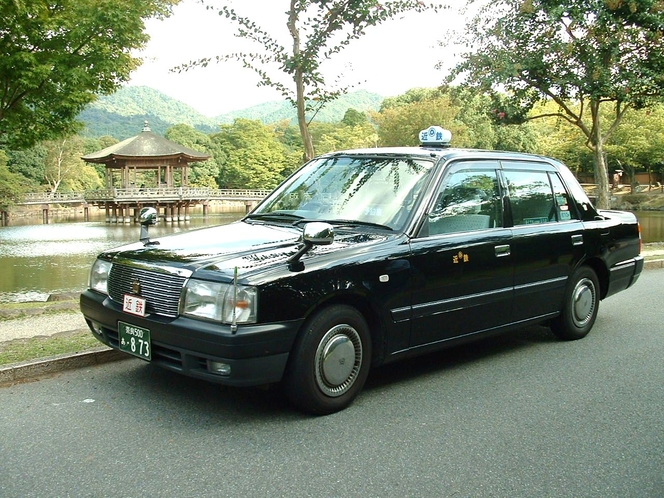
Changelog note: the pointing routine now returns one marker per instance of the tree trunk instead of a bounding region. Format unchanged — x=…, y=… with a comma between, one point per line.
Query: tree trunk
x=299, y=84
x=302, y=119
x=601, y=177
x=601, y=171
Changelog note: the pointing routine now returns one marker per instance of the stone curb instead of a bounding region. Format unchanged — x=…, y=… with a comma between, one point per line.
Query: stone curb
x=653, y=264
x=31, y=370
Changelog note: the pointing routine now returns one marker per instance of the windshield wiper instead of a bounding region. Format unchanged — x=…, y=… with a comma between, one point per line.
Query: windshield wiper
x=276, y=216
x=352, y=223
x=349, y=223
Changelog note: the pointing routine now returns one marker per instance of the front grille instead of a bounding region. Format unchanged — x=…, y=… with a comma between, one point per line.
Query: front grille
x=161, y=290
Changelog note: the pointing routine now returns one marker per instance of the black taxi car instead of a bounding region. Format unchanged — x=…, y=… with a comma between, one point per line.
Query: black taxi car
x=365, y=257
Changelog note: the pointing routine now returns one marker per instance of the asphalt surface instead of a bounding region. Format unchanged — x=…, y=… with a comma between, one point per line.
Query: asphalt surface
x=520, y=415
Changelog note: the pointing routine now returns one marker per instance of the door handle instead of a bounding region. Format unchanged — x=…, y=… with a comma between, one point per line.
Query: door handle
x=502, y=251
x=577, y=240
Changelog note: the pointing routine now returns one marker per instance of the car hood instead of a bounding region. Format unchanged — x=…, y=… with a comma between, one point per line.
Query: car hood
x=246, y=246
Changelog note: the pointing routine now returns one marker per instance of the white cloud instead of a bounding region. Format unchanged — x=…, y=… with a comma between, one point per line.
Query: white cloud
x=389, y=59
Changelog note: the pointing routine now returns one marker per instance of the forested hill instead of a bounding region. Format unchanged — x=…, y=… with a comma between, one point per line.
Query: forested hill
x=122, y=114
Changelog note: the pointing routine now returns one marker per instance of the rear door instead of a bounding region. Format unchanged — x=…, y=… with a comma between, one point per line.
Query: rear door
x=548, y=238
x=461, y=259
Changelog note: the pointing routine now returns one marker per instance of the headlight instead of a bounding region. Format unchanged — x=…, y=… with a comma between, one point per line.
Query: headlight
x=220, y=302
x=99, y=276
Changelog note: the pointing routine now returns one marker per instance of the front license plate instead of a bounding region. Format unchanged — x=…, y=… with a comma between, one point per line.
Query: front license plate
x=135, y=340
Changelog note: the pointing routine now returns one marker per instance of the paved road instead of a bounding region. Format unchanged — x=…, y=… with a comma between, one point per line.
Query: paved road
x=519, y=416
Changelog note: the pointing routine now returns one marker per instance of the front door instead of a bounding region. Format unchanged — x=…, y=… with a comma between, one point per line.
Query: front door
x=461, y=260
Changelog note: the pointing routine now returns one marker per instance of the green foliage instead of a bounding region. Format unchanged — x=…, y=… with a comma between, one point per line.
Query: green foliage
x=18, y=351
x=352, y=117
x=594, y=52
x=29, y=163
x=201, y=174
x=639, y=143
x=344, y=136
x=63, y=166
x=556, y=137
x=400, y=125
x=55, y=57
x=411, y=96
x=254, y=158
x=12, y=186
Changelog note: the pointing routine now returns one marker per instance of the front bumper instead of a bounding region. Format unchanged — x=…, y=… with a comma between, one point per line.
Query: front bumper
x=257, y=354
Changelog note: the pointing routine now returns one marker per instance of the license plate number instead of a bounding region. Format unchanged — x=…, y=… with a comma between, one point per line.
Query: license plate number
x=135, y=340
x=134, y=305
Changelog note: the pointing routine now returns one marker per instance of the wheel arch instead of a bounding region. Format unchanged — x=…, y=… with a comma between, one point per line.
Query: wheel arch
x=602, y=272
x=363, y=304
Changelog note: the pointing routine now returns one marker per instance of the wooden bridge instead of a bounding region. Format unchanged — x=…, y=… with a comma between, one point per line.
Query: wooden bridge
x=118, y=202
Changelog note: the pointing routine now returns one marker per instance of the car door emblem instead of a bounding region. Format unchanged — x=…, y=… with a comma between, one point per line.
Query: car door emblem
x=460, y=258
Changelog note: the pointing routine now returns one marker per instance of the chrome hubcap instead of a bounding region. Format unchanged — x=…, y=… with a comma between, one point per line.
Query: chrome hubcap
x=583, y=302
x=338, y=360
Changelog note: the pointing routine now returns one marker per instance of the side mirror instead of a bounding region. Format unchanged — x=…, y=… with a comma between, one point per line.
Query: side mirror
x=318, y=233
x=315, y=233
x=148, y=216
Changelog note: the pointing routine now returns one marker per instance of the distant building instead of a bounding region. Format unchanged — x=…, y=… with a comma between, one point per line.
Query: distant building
x=142, y=153
x=145, y=153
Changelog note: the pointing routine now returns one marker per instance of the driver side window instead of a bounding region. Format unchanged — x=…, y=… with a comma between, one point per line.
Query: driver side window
x=468, y=201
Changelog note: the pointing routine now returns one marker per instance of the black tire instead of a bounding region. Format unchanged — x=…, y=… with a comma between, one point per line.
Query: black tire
x=580, y=306
x=330, y=361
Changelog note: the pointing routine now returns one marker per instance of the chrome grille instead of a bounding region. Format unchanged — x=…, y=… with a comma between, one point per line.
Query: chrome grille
x=161, y=290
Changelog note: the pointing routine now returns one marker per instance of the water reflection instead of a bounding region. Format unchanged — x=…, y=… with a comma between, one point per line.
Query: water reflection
x=652, y=225
x=38, y=260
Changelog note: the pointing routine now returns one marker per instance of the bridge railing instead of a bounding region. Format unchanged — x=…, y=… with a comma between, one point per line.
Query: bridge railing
x=53, y=197
x=145, y=194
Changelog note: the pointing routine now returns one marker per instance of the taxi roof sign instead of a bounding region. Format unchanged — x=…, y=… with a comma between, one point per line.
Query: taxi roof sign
x=435, y=136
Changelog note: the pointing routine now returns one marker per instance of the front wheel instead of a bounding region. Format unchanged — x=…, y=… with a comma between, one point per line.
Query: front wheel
x=580, y=306
x=330, y=361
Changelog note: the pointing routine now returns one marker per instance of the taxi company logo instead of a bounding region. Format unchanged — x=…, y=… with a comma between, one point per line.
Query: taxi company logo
x=460, y=258
x=136, y=287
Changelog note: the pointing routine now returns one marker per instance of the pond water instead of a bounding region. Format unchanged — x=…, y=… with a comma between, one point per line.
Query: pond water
x=37, y=260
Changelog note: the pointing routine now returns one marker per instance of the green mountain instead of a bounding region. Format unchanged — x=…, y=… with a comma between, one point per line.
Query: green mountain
x=123, y=114
x=271, y=112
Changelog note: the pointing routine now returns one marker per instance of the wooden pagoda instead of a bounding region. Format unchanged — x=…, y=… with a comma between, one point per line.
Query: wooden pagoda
x=142, y=153
x=146, y=170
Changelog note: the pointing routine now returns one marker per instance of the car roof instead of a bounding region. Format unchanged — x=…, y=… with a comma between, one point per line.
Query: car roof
x=443, y=153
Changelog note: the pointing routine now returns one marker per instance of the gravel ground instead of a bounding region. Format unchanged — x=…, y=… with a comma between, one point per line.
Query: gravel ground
x=42, y=325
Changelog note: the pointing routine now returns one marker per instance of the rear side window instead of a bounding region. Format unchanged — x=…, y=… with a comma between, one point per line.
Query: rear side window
x=564, y=209
x=537, y=197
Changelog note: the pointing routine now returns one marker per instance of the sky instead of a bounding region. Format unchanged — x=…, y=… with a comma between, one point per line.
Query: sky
x=388, y=60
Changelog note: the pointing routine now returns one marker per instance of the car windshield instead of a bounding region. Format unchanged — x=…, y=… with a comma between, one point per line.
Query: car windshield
x=361, y=190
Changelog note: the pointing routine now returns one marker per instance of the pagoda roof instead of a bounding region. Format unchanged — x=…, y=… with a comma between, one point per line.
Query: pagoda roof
x=145, y=145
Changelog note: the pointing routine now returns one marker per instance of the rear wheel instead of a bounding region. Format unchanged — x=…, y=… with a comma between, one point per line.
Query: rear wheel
x=330, y=361
x=580, y=307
